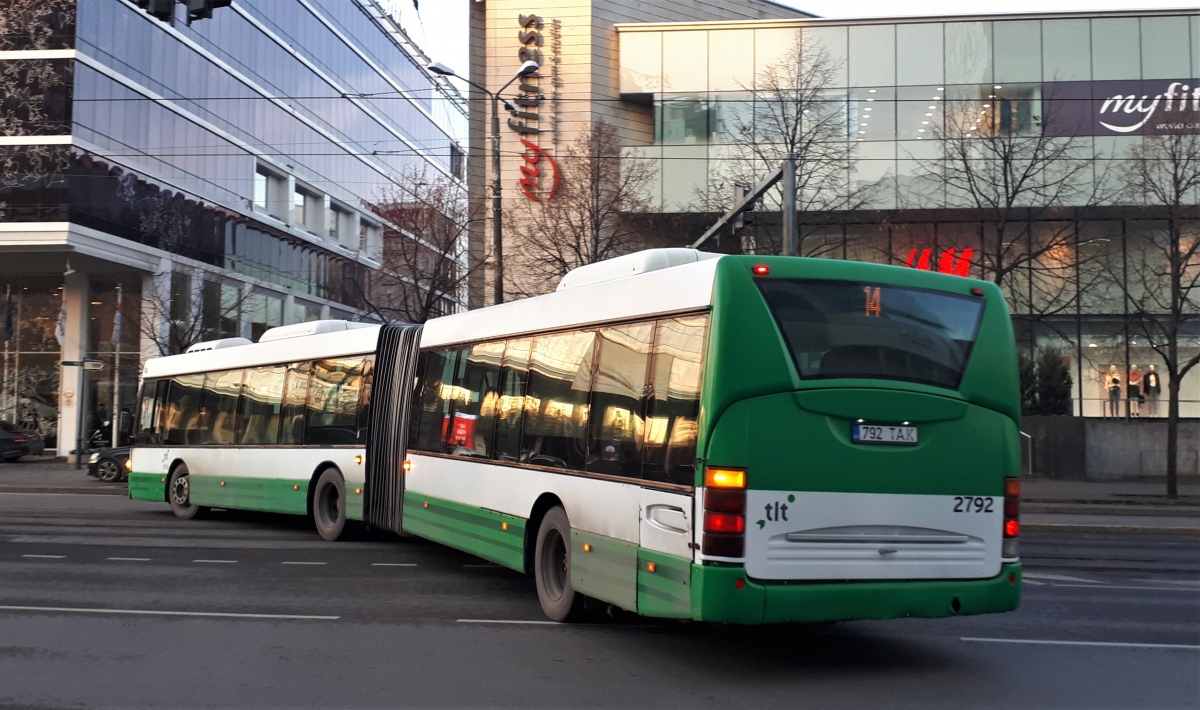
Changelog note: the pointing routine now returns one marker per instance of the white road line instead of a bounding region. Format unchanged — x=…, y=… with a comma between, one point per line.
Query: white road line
x=1116, y=586
x=1030, y=581
x=1058, y=577
x=45, y=557
x=146, y=612
x=508, y=621
x=1193, y=582
x=393, y=564
x=129, y=559
x=216, y=562
x=301, y=563
x=1107, y=644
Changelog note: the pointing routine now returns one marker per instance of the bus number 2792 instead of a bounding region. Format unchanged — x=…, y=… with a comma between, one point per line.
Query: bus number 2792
x=971, y=504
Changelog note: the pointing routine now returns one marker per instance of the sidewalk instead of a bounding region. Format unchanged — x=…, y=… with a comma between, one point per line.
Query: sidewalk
x=1115, y=507
x=1046, y=505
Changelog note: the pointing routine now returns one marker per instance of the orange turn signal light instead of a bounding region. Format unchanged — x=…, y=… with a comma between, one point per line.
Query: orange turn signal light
x=1012, y=486
x=725, y=478
x=358, y=458
x=407, y=465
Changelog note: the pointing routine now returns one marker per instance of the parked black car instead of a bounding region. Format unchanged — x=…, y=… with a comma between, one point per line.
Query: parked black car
x=109, y=464
x=10, y=448
x=31, y=442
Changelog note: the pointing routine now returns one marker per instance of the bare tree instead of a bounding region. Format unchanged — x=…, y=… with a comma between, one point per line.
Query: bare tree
x=1162, y=174
x=1002, y=158
x=792, y=108
x=593, y=216
x=175, y=315
x=425, y=264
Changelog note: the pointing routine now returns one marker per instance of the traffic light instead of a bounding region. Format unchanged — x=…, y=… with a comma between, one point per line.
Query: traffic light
x=161, y=9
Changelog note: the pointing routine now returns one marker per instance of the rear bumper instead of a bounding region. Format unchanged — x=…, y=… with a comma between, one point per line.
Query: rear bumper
x=715, y=597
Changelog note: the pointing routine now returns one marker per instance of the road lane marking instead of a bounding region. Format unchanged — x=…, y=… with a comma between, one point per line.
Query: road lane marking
x=1106, y=644
x=216, y=562
x=45, y=557
x=147, y=612
x=301, y=563
x=508, y=621
x=1058, y=577
x=1116, y=586
x=129, y=559
x=1030, y=581
x=393, y=564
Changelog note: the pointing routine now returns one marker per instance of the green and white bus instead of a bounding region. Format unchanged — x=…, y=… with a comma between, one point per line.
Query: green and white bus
x=746, y=439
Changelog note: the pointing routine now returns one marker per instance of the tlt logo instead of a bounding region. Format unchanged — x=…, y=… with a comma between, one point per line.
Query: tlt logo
x=946, y=265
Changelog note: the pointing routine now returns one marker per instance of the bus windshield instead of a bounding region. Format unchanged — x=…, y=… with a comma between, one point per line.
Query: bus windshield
x=857, y=329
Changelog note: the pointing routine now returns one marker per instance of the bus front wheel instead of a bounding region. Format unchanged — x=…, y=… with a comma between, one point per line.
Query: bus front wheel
x=179, y=494
x=329, y=505
x=552, y=568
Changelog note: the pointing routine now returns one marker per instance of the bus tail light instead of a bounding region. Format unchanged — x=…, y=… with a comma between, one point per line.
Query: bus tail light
x=1012, y=517
x=724, y=512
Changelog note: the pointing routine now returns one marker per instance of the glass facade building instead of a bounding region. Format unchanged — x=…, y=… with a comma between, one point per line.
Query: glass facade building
x=908, y=113
x=217, y=174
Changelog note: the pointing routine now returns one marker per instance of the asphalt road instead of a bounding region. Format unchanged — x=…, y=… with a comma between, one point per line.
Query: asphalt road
x=106, y=602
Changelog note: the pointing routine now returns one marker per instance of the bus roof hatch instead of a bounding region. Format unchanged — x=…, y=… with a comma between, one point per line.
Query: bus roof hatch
x=632, y=264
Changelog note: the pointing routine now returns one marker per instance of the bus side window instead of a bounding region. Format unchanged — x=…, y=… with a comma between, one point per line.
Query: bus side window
x=182, y=410
x=261, y=405
x=295, y=394
x=510, y=403
x=364, y=399
x=332, y=411
x=435, y=405
x=673, y=400
x=617, y=423
x=218, y=408
x=560, y=382
x=476, y=394
x=151, y=408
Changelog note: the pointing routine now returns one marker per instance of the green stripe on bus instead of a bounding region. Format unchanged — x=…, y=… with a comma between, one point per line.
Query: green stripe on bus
x=607, y=570
x=148, y=486
x=475, y=530
x=273, y=495
x=667, y=591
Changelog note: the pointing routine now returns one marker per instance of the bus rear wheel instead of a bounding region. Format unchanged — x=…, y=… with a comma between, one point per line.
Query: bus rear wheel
x=329, y=505
x=179, y=494
x=552, y=568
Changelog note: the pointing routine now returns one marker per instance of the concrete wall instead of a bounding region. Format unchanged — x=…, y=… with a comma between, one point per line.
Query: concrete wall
x=1074, y=448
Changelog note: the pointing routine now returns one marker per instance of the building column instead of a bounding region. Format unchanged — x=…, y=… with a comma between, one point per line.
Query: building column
x=74, y=347
x=155, y=328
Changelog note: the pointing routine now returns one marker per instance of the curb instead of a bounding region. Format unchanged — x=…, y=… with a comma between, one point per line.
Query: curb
x=64, y=491
x=1111, y=529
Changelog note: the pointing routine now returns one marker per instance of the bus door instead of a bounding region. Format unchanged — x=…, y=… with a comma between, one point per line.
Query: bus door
x=387, y=429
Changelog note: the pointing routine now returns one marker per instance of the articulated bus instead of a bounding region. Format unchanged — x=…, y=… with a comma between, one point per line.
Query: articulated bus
x=745, y=439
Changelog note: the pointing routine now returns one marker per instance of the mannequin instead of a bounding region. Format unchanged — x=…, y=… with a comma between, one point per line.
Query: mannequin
x=1134, y=391
x=1151, y=389
x=1113, y=378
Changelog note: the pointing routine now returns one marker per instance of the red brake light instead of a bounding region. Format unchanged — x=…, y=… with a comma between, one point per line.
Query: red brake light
x=761, y=270
x=729, y=523
x=1012, y=528
x=976, y=291
x=19, y=438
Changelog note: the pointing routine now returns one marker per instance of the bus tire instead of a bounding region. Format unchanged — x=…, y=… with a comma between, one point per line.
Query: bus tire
x=179, y=494
x=552, y=568
x=329, y=505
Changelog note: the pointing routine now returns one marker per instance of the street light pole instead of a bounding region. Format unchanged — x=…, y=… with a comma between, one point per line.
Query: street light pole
x=526, y=69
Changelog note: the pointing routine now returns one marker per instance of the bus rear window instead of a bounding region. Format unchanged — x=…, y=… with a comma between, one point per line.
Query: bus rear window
x=858, y=329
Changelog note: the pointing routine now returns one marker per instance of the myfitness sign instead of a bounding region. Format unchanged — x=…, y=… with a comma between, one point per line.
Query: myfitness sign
x=1115, y=108
x=539, y=171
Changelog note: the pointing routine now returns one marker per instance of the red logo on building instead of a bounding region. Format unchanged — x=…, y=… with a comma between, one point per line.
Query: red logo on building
x=531, y=173
x=946, y=265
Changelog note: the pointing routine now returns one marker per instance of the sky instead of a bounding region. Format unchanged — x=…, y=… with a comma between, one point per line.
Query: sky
x=440, y=26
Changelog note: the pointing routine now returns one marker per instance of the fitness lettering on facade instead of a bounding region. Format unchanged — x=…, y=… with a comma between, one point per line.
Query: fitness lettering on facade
x=1153, y=107
x=540, y=175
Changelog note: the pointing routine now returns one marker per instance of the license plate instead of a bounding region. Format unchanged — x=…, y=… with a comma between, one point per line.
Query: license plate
x=884, y=434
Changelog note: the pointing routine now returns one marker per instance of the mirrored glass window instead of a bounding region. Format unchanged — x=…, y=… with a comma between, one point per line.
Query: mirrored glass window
x=1018, y=51
x=641, y=62
x=617, y=422
x=1117, y=43
x=673, y=400
x=1162, y=41
x=1066, y=50
x=968, y=52
x=262, y=405
x=685, y=61
x=826, y=47
x=556, y=415
x=919, y=54
x=872, y=55
x=731, y=60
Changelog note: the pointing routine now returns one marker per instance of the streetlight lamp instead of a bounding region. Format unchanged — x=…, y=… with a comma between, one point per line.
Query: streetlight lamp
x=526, y=69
